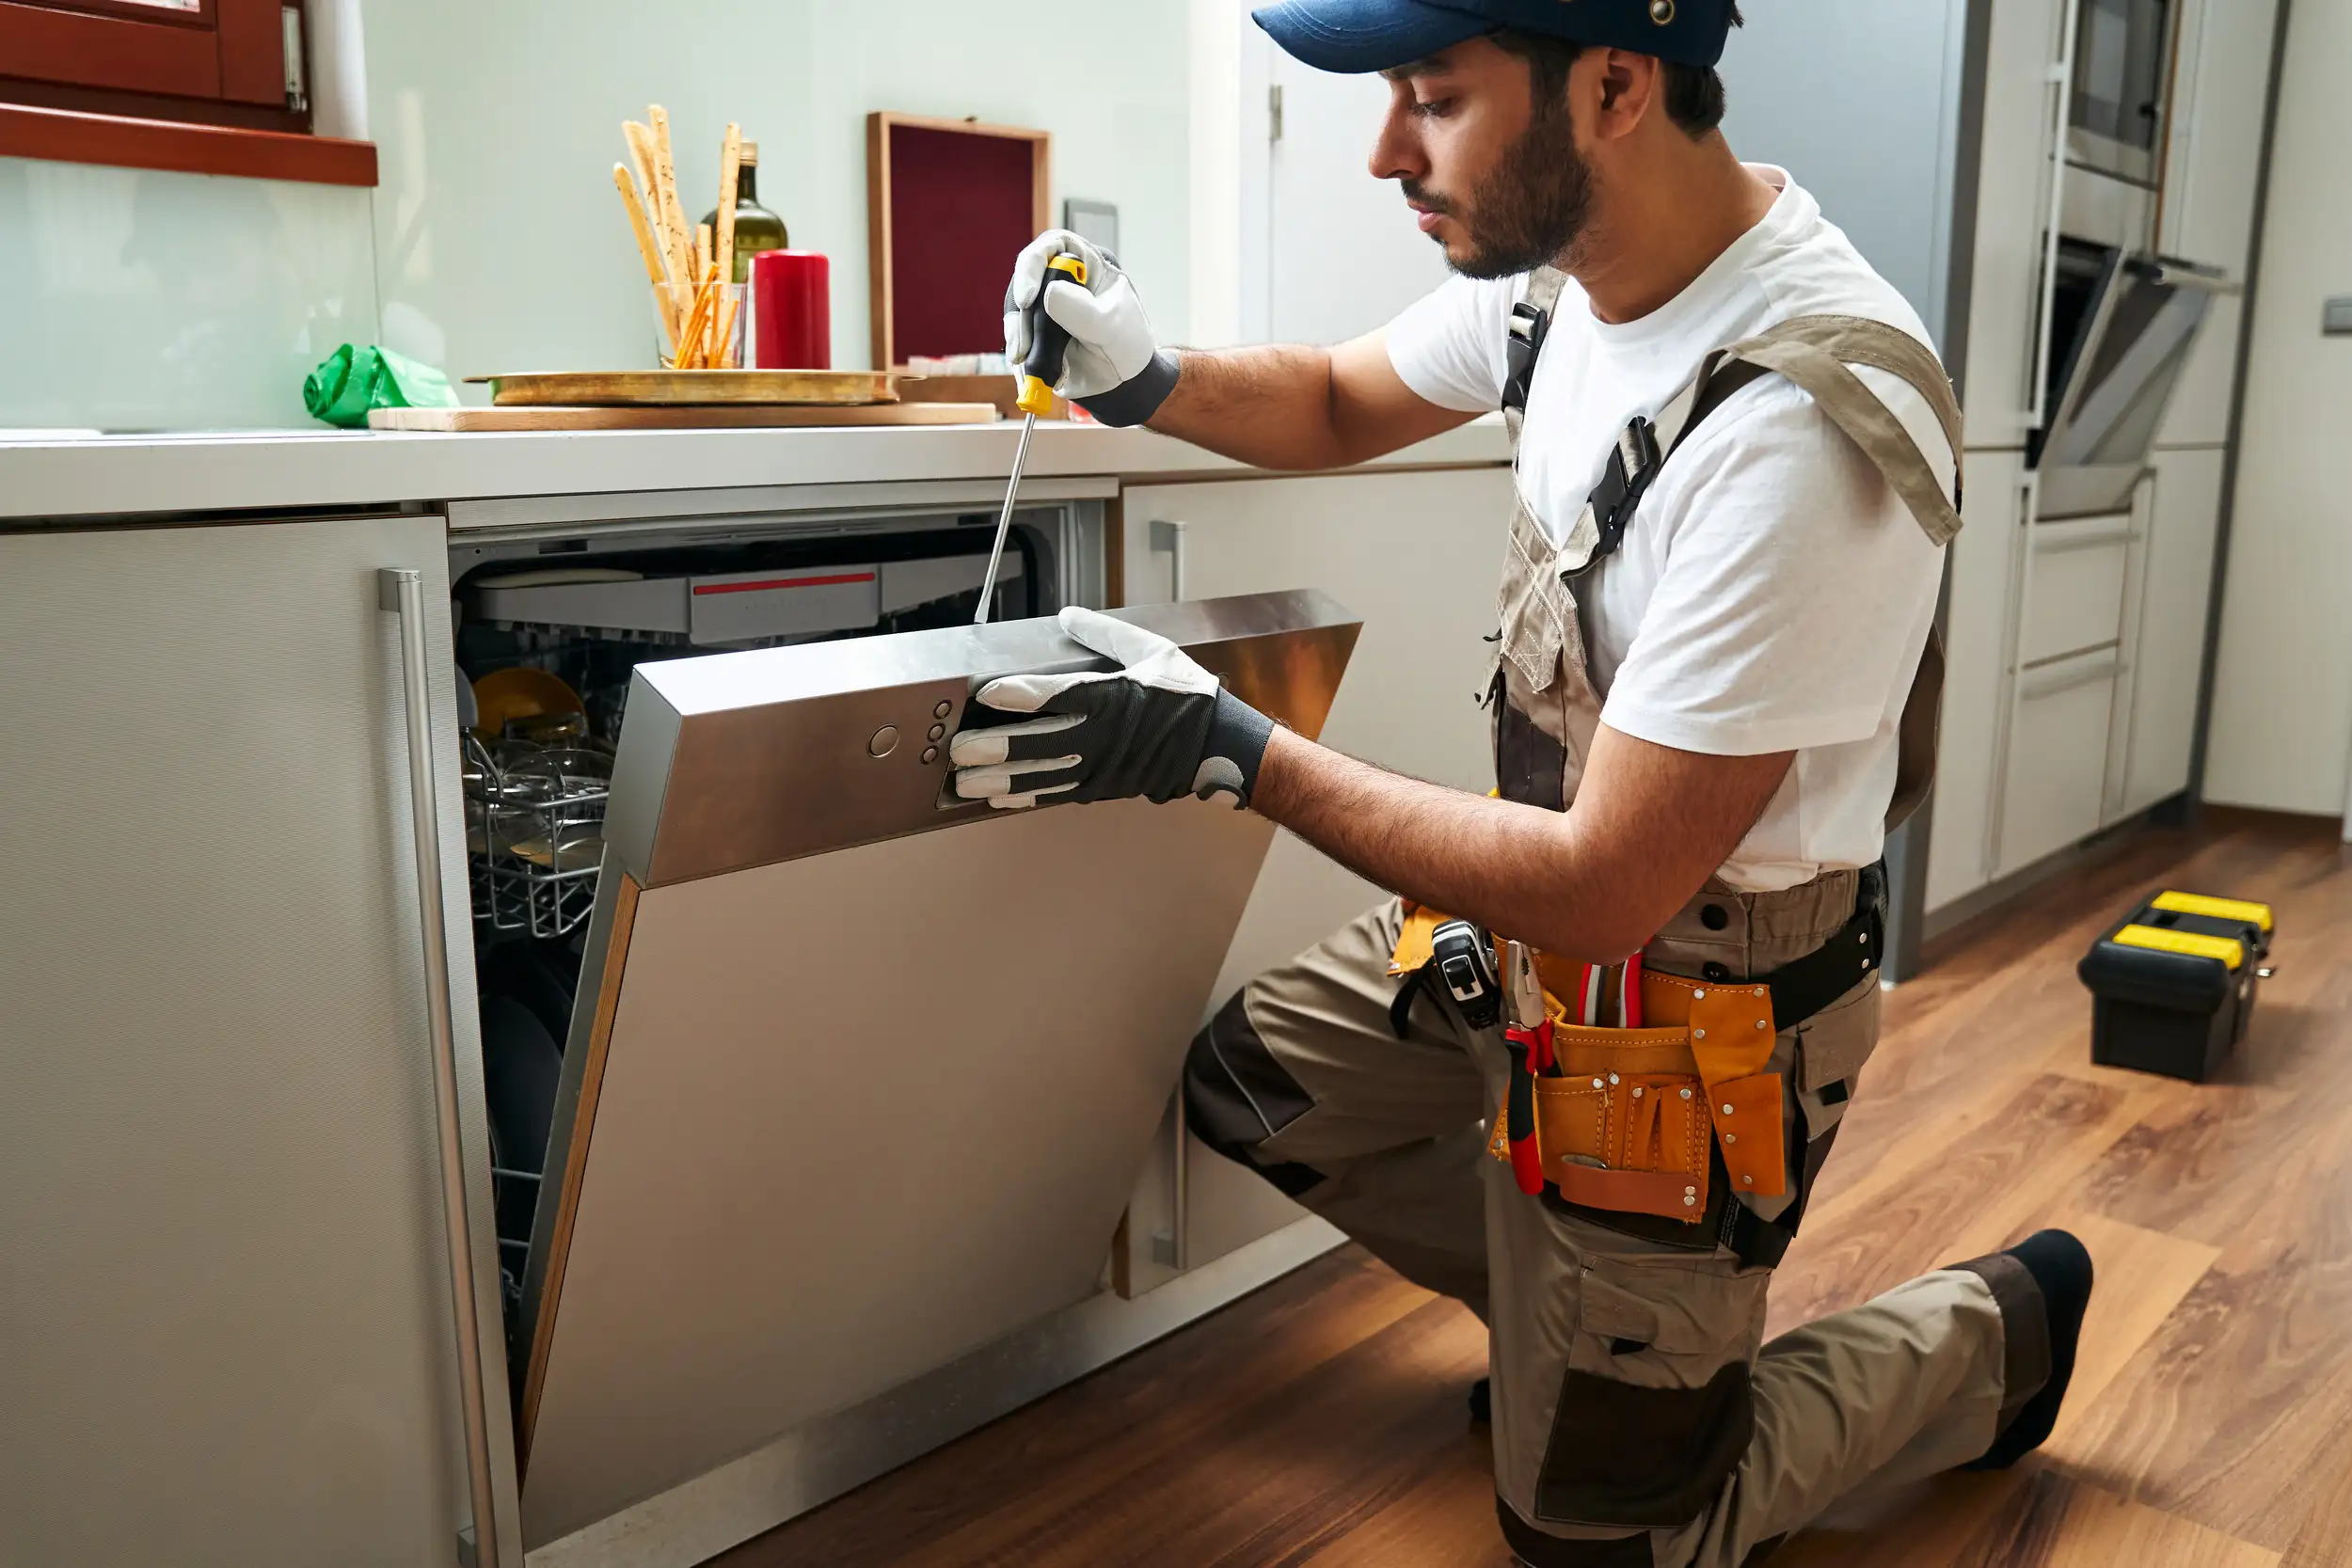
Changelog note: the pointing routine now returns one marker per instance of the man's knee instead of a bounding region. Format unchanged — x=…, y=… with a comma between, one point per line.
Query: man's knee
x=1237, y=1096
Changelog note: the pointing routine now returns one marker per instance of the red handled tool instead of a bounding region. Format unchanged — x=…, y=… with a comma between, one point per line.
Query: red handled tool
x=1529, y=1042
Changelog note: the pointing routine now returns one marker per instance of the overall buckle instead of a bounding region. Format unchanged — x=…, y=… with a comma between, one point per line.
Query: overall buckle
x=1527, y=331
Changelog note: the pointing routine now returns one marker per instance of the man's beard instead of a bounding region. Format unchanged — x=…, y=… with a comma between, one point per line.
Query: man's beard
x=1532, y=208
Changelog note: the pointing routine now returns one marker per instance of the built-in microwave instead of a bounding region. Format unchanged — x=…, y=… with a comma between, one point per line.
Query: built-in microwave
x=2123, y=80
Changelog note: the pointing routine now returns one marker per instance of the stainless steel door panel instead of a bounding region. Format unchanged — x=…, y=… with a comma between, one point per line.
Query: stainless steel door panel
x=744, y=759
x=876, y=1097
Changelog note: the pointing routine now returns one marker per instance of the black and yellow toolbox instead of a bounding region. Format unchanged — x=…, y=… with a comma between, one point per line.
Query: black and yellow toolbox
x=2174, y=983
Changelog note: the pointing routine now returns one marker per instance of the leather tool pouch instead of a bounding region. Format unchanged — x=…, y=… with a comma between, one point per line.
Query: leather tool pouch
x=1630, y=1121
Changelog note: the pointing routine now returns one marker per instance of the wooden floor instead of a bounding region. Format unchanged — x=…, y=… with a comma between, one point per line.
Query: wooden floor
x=2210, y=1423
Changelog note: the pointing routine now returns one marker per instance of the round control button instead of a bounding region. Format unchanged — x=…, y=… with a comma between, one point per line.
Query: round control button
x=943, y=710
x=884, y=742
x=931, y=754
x=939, y=732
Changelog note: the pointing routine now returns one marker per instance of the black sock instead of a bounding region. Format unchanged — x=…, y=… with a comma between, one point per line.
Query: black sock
x=2061, y=1266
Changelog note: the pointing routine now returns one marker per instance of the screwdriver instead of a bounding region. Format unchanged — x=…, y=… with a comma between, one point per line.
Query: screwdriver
x=1049, y=344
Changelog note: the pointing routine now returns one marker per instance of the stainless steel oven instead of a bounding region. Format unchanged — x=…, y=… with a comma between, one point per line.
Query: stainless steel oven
x=2121, y=327
x=2122, y=82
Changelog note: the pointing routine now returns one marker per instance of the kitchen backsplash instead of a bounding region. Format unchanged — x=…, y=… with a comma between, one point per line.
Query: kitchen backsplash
x=132, y=299
x=138, y=300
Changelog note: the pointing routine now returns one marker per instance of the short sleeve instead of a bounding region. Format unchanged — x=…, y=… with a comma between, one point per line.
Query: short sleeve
x=1449, y=346
x=1795, y=596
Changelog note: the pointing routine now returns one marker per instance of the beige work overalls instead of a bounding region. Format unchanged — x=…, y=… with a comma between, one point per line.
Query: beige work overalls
x=1639, y=1420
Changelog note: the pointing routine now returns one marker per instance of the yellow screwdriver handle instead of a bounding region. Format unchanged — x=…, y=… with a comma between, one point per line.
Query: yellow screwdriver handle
x=1049, y=340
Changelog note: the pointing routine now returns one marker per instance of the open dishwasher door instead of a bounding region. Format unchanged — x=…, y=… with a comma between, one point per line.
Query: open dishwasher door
x=860, y=1078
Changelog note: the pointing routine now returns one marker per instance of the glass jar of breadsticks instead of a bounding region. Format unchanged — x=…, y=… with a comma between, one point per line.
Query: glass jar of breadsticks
x=702, y=315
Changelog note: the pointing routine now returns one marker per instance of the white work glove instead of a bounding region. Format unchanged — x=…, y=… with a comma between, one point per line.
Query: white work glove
x=1159, y=727
x=1116, y=369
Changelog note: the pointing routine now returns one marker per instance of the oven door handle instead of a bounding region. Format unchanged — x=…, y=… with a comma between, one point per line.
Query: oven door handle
x=2180, y=274
x=400, y=591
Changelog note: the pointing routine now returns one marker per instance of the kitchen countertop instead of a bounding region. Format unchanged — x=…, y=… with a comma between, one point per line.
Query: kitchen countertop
x=60, y=480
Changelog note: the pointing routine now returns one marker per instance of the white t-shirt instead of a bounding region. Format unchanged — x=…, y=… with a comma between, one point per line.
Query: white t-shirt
x=1773, y=593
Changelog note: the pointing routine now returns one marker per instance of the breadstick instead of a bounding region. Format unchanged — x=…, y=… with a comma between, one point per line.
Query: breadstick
x=691, y=354
x=646, y=251
x=640, y=139
x=730, y=177
x=672, y=216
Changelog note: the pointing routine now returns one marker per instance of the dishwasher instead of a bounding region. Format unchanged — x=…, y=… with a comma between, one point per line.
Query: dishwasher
x=803, y=1078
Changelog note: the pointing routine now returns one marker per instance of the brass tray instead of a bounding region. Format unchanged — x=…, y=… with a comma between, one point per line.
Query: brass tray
x=632, y=389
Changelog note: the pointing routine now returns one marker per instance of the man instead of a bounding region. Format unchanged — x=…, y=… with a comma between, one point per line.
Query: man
x=1713, y=689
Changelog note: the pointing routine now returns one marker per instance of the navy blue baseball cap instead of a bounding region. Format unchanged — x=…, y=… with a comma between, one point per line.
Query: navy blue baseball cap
x=1357, y=36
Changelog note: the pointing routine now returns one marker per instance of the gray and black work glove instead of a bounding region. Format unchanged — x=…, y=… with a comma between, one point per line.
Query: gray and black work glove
x=1159, y=727
x=1116, y=370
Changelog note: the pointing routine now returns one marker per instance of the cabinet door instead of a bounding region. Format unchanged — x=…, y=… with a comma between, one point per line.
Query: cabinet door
x=2170, y=660
x=1977, y=638
x=2012, y=211
x=2058, y=760
x=2220, y=95
x=1417, y=556
x=227, y=1336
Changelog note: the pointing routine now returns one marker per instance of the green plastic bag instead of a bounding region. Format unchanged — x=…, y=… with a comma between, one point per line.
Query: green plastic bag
x=354, y=380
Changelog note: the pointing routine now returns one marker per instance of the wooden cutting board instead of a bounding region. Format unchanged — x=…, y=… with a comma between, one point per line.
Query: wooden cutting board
x=701, y=417
x=633, y=389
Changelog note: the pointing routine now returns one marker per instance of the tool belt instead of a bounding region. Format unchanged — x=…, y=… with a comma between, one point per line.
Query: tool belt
x=1630, y=1118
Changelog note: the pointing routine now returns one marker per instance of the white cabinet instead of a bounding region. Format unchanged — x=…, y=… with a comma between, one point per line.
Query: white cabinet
x=1417, y=556
x=2079, y=566
x=2220, y=98
x=2168, y=660
x=2058, y=765
x=2013, y=213
x=220, y=1195
x=1977, y=636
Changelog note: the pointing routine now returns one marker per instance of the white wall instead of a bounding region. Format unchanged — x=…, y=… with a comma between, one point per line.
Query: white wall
x=2282, y=726
x=501, y=244
x=131, y=299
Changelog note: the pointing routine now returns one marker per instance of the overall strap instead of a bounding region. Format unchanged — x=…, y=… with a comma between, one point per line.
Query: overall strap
x=1817, y=354
x=1531, y=320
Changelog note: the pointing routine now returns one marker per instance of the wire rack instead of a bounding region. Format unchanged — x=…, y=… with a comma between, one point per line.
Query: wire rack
x=535, y=835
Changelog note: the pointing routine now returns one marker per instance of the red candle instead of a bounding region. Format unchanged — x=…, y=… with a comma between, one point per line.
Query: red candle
x=792, y=311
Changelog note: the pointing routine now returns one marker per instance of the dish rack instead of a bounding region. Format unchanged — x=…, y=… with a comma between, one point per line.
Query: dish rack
x=535, y=835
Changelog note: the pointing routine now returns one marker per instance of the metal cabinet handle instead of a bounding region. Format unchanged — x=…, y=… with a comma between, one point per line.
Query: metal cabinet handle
x=2062, y=74
x=2052, y=682
x=1169, y=538
x=400, y=591
x=2058, y=539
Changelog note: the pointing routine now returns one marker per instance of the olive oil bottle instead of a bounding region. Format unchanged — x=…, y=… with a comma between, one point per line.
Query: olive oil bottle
x=756, y=229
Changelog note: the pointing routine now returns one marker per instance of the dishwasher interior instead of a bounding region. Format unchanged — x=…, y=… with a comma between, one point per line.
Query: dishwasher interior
x=551, y=623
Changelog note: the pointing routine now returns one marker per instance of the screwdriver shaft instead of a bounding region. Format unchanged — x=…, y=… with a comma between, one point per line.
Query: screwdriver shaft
x=1004, y=522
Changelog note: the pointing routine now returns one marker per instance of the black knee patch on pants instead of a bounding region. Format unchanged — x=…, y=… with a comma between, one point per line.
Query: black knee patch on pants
x=1642, y=1458
x=1237, y=1096
x=1534, y=1547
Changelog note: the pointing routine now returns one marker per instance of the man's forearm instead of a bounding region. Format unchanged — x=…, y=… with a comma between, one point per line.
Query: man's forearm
x=1269, y=407
x=1594, y=883
x=1512, y=868
x=1299, y=408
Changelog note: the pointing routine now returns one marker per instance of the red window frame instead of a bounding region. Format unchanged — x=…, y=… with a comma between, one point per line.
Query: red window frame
x=148, y=86
x=225, y=52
